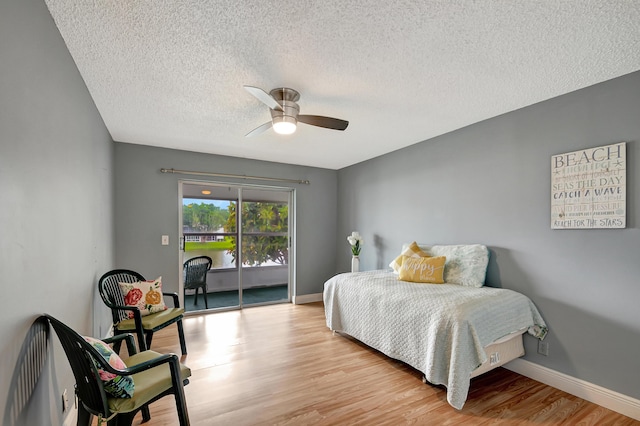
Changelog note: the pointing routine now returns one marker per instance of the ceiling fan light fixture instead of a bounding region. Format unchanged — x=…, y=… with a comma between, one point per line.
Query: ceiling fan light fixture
x=284, y=125
x=285, y=112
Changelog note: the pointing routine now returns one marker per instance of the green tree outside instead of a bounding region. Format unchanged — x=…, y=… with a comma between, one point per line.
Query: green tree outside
x=265, y=218
x=204, y=217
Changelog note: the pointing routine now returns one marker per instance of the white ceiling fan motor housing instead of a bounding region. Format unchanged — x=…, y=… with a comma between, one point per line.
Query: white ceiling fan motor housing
x=285, y=121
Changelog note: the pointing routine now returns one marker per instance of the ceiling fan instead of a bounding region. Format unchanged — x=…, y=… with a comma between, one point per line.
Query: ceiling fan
x=285, y=112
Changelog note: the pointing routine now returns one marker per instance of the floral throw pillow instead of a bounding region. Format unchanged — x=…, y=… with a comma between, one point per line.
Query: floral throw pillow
x=146, y=295
x=114, y=385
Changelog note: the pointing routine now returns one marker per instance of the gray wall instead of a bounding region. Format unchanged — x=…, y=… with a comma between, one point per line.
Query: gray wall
x=56, y=190
x=146, y=207
x=490, y=183
x=486, y=183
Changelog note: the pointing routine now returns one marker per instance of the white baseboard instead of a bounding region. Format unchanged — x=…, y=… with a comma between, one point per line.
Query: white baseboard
x=607, y=398
x=307, y=298
x=72, y=417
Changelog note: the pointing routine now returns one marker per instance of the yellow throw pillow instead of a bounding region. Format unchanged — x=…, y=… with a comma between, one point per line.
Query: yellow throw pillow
x=422, y=269
x=412, y=251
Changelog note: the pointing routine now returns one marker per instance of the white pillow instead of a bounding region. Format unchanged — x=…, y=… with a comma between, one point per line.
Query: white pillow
x=411, y=250
x=466, y=264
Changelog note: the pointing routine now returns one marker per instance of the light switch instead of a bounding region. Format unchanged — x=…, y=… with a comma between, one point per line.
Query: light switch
x=165, y=240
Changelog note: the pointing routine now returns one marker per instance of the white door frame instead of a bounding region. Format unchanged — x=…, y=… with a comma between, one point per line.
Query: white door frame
x=239, y=186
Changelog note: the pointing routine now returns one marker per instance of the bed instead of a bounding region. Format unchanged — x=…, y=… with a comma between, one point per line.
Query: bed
x=451, y=331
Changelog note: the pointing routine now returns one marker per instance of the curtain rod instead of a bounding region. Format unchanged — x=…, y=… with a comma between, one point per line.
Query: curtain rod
x=187, y=172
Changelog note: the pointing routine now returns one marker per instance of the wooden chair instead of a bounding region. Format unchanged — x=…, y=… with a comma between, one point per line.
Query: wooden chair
x=141, y=325
x=154, y=376
x=195, y=276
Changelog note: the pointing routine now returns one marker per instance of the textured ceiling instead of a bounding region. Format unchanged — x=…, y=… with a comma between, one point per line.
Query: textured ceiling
x=170, y=74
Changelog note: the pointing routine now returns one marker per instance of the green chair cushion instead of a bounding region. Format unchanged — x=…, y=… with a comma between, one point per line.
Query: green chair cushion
x=150, y=322
x=148, y=384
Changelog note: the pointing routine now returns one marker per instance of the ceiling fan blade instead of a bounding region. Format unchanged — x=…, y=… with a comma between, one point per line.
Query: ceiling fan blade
x=259, y=129
x=327, y=122
x=264, y=97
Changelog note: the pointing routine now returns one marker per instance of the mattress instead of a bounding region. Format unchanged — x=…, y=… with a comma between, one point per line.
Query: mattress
x=446, y=331
x=501, y=352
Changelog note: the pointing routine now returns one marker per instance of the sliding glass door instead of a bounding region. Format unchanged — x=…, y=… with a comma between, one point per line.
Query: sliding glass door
x=264, y=248
x=245, y=230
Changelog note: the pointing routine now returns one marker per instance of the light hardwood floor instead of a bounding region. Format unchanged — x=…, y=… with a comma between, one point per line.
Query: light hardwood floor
x=280, y=365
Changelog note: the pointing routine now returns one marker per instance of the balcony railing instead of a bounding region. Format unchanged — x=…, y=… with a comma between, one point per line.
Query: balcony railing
x=223, y=275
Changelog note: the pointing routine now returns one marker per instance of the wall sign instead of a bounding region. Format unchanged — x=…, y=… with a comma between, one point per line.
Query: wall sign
x=589, y=188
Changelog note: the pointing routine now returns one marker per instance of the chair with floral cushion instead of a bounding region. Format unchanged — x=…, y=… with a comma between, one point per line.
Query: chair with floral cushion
x=113, y=389
x=137, y=306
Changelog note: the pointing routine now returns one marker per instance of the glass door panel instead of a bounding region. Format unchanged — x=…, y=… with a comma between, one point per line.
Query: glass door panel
x=208, y=229
x=265, y=246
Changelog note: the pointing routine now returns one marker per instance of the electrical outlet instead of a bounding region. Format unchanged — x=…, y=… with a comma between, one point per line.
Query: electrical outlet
x=543, y=348
x=65, y=401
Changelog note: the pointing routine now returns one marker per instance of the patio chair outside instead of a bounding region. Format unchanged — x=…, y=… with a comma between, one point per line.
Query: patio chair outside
x=195, y=276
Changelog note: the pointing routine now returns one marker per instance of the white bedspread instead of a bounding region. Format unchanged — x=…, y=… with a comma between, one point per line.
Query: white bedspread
x=439, y=329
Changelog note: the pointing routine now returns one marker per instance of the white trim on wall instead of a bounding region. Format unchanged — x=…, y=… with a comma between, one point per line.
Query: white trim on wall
x=607, y=398
x=307, y=298
x=72, y=416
